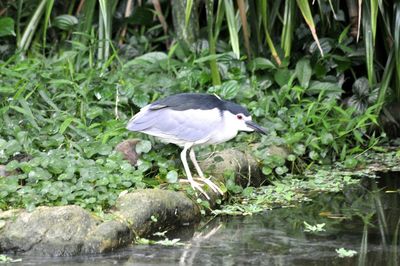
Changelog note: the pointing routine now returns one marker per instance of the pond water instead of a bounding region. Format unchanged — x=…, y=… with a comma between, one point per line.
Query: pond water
x=364, y=218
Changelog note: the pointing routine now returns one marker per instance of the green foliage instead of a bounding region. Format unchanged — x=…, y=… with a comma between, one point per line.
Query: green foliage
x=343, y=253
x=7, y=259
x=6, y=26
x=63, y=124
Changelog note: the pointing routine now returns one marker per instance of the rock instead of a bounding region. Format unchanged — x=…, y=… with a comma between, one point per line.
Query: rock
x=55, y=231
x=277, y=151
x=3, y=171
x=107, y=236
x=154, y=210
x=243, y=164
x=59, y=231
x=127, y=148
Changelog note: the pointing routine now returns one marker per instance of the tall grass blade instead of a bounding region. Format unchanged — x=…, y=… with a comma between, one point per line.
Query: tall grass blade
x=49, y=8
x=385, y=18
x=104, y=30
x=30, y=29
x=333, y=10
x=219, y=19
x=245, y=27
x=369, y=43
x=264, y=18
x=188, y=11
x=288, y=27
x=18, y=21
x=359, y=19
x=384, y=84
x=233, y=32
x=212, y=42
x=306, y=12
x=396, y=31
x=273, y=13
x=374, y=18
x=87, y=12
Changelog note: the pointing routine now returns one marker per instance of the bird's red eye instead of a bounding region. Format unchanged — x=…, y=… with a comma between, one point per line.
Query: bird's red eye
x=240, y=117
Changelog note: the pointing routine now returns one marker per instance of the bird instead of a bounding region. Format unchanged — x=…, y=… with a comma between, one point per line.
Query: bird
x=193, y=119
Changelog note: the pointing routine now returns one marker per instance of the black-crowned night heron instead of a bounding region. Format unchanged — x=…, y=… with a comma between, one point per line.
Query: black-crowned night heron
x=192, y=119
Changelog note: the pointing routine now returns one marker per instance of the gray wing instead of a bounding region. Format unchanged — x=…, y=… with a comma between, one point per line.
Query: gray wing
x=188, y=125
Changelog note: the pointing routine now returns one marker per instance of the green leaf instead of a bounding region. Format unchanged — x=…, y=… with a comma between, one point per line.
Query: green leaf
x=7, y=90
x=304, y=7
x=326, y=138
x=282, y=76
x=361, y=87
x=6, y=26
x=324, y=88
x=172, y=176
x=345, y=253
x=261, y=63
x=144, y=146
x=38, y=173
x=266, y=170
x=65, y=22
x=229, y=89
x=65, y=124
x=350, y=162
x=280, y=170
x=303, y=72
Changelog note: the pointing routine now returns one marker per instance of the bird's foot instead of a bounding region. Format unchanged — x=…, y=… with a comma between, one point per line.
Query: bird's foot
x=196, y=186
x=213, y=186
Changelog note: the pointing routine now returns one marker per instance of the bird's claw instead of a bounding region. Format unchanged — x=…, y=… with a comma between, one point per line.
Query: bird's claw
x=213, y=186
x=197, y=186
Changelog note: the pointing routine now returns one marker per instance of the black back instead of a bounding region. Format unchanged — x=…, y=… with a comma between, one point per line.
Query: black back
x=202, y=101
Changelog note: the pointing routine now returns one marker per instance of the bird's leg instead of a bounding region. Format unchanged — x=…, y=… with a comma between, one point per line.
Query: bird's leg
x=193, y=183
x=213, y=186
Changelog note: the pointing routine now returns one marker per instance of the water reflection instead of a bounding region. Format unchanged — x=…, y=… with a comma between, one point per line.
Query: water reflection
x=363, y=218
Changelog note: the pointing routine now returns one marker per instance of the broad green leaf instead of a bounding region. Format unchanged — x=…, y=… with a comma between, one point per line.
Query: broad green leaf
x=144, y=146
x=282, y=76
x=261, y=63
x=172, y=176
x=324, y=88
x=6, y=26
x=149, y=58
x=7, y=90
x=229, y=89
x=65, y=22
x=303, y=72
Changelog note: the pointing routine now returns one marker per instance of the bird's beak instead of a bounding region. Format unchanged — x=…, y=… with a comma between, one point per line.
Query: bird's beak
x=256, y=127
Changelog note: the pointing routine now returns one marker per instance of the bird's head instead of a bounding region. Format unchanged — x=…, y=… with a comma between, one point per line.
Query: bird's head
x=240, y=119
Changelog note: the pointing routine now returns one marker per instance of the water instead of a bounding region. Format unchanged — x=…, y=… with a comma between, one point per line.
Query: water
x=362, y=218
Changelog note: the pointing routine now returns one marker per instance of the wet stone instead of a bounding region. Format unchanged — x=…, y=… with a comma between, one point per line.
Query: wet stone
x=153, y=210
